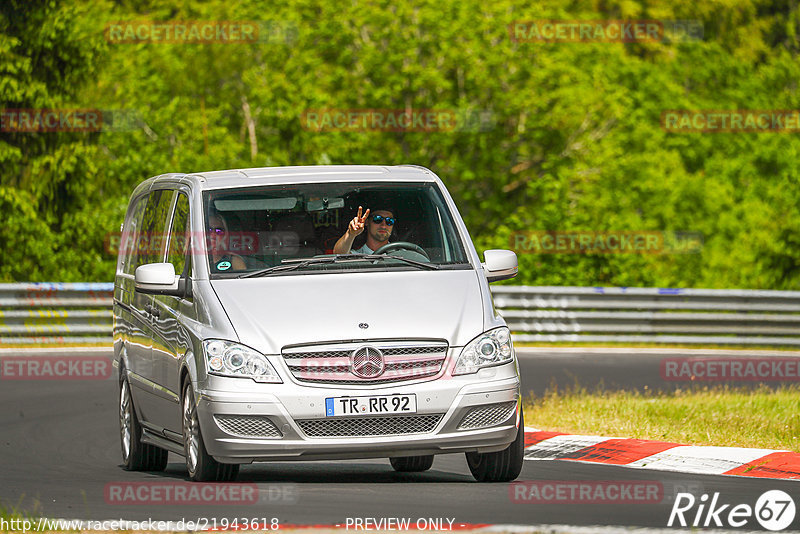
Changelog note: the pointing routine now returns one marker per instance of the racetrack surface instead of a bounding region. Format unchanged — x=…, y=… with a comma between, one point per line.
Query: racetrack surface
x=631, y=368
x=59, y=450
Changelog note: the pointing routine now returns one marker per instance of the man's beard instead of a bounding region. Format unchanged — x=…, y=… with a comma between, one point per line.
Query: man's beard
x=378, y=237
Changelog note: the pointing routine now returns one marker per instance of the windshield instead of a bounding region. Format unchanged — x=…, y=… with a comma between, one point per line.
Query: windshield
x=343, y=226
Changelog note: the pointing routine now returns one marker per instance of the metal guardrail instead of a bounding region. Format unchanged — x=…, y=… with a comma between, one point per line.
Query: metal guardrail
x=56, y=313
x=650, y=315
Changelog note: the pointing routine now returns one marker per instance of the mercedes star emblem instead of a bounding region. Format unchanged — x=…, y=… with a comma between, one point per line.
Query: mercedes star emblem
x=367, y=362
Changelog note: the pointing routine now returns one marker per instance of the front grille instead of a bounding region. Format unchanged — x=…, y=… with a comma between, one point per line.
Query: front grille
x=486, y=416
x=370, y=426
x=331, y=364
x=248, y=426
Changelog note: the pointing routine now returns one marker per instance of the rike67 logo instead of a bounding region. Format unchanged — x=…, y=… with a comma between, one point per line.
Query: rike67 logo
x=774, y=510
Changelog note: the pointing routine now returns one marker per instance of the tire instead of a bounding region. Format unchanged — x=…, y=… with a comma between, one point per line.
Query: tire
x=412, y=464
x=202, y=466
x=500, y=466
x=136, y=456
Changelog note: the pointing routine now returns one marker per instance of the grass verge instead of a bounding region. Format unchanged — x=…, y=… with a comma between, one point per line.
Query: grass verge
x=723, y=416
x=13, y=521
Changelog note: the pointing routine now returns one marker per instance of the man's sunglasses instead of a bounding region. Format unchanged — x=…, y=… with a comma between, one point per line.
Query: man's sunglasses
x=377, y=219
x=218, y=231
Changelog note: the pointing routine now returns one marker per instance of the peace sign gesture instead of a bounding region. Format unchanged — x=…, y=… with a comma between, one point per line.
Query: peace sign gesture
x=356, y=226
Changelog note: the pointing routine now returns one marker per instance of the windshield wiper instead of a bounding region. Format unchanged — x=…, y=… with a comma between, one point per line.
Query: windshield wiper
x=422, y=264
x=291, y=264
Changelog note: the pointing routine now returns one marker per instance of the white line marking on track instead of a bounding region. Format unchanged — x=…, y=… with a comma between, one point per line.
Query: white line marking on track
x=558, y=446
x=702, y=460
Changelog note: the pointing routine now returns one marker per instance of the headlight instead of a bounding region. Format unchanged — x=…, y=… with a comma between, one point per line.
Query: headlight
x=490, y=348
x=227, y=358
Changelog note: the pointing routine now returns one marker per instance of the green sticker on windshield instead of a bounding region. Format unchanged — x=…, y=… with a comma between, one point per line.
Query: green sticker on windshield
x=224, y=265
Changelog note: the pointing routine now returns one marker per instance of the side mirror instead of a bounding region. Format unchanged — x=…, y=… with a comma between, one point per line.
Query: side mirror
x=500, y=264
x=159, y=279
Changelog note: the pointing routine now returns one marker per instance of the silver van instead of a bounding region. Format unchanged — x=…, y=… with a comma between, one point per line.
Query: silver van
x=309, y=313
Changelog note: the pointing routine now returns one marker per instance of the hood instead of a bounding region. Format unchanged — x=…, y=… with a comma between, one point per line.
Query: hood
x=269, y=313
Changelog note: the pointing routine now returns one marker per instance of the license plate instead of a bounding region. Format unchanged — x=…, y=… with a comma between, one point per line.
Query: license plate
x=377, y=404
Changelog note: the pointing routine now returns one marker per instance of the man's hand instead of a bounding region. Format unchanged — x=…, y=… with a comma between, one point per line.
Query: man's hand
x=356, y=226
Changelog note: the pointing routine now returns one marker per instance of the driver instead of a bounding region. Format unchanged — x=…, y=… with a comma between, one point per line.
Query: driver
x=379, y=227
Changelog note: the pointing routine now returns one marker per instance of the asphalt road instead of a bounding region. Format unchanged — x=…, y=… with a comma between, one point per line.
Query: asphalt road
x=639, y=369
x=59, y=455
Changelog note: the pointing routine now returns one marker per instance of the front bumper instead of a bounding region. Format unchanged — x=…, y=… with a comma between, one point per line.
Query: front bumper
x=284, y=405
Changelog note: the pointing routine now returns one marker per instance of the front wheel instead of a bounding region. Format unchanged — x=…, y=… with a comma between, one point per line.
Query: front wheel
x=412, y=464
x=136, y=456
x=500, y=466
x=202, y=466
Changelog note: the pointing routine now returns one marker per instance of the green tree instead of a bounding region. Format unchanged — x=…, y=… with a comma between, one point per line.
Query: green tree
x=574, y=142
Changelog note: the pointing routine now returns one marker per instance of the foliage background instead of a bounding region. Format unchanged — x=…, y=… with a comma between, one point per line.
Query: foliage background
x=576, y=142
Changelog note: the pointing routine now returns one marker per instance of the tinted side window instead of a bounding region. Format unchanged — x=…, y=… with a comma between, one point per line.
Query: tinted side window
x=179, y=234
x=130, y=236
x=152, y=240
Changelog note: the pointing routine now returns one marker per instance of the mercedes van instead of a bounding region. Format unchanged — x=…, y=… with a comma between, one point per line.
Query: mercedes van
x=243, y=332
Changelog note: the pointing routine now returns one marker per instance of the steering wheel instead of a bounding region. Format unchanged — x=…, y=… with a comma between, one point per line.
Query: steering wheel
x=404, y=245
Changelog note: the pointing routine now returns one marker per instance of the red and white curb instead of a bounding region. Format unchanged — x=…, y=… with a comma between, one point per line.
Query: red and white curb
x=662, y=455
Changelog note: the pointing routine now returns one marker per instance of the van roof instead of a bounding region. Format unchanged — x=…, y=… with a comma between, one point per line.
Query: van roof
x=300, y=174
